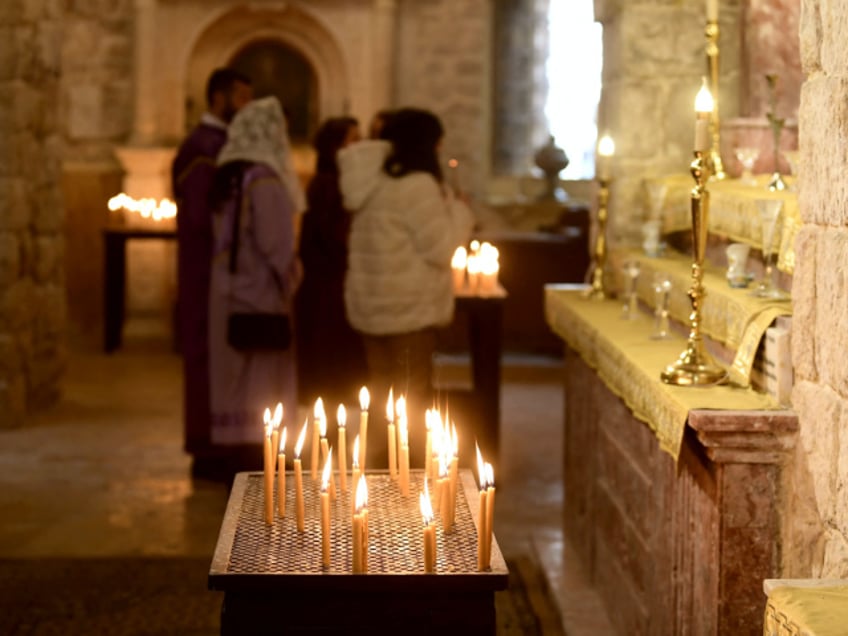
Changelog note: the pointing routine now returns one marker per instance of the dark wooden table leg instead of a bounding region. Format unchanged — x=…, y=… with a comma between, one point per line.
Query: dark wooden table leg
x=485, y=326
x=114, y=287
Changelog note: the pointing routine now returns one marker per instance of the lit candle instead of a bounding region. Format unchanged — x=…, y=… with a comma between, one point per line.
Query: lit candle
x=276, y=420
x=606, y=149
x=703, y=110
x=281, y=476
x=268, y=472
x=482, y=514
x=403, y=447
x=325, y=449
x=298, y=476
x=354, y=478
x=325, y=511
x=429, y=530
x=473, y=269
x=489, y=267
x=436, y=445
x=490, y=511
x=458, y=264
x=359, y=537
x=317, y=411
x=428, y=444
x=453, y=166
x=443, y=485
x=364, y=515
x=453, y=475
x=341, y=418
x=364, y=403
x=712, y=10
x=390, y=416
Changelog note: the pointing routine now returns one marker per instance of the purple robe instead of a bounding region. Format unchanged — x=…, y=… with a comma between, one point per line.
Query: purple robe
x=192, y=174
x=267, y=273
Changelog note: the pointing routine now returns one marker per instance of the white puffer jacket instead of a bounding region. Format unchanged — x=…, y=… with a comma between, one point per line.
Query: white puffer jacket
x=402, y=237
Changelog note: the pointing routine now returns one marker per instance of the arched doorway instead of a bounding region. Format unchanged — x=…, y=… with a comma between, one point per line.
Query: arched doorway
x=279, y=70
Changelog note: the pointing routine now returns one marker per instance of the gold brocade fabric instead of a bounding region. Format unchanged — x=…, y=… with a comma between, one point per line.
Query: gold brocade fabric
x=630, y=363
x=734, y=214
x=808, y=611
x=730, y=316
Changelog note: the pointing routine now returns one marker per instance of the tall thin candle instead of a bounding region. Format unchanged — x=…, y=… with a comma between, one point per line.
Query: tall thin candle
x=268, y=470
x=482, y=514
x=317, y=411
x=325, y=512
x=490, y=510
x=281, y=475
x=364, y=403
x=403, y=447
x=354, y=477
x=429, y=529
x=298, y=477
x=325, y=451
x=392, y=442
x=341, y=418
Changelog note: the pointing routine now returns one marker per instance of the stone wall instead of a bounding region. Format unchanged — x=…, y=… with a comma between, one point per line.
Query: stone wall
x=654, y=57
x=32, y=301
x=816, y=515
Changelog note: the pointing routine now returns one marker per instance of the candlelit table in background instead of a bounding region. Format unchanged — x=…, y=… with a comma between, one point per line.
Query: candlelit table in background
x=273, y=581
x=115, y=277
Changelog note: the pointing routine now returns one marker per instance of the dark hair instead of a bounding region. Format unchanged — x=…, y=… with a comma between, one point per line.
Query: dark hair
x=226, y=183
x=414, y=134
x=222, y=80
x=329, y=138
x=378, y=123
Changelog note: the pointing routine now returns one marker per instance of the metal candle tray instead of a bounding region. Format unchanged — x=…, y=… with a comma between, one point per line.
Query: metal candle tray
x=251, y=554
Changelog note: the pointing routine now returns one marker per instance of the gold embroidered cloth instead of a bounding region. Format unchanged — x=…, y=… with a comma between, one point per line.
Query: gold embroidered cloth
x=807, y=611
x=734, y=214
x=630, y=363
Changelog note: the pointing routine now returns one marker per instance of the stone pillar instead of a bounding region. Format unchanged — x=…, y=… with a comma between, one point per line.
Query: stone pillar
x=817, y=513
x=654, y=58
x=32, y=297
x=144, y=73
x=383, y=43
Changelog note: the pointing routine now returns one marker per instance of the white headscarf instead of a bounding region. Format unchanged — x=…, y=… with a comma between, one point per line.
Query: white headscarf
x=258, y=133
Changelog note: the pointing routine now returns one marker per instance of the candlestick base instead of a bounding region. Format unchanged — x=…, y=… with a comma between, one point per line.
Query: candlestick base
x=695, y=367
x=776, y=183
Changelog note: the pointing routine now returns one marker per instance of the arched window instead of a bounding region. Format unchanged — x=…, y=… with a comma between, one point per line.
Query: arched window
x=575, y=61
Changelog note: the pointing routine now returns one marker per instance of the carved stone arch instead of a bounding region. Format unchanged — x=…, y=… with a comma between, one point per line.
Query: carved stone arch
x=293, y=26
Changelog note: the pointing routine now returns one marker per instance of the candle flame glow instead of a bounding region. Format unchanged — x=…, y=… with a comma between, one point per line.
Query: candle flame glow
x=403, y=430
x=390, y=407
x=606, y=146
x=341, y=416
x=454, y=440
x=364, y=399
x=460, y=258
x=400, y=407
x=147, y=208
x=277, y=419
x=452, y=163
x=475, y=246
x=356, y=452
x=704, y=103
x=300, y=439
x=481, y=468
x=425, y=505
x=361, y=500
x=328, y=470
x=490, y=475
x=283, y=441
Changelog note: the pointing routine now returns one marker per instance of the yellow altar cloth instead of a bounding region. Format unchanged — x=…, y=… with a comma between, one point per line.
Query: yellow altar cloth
x=807, y=611
x=630, y=363
x=731, y=316
x=733, y=213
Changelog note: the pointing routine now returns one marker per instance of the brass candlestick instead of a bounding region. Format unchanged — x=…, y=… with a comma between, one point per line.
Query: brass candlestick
x=716, y=165
x=695, y=367
x=597, y=291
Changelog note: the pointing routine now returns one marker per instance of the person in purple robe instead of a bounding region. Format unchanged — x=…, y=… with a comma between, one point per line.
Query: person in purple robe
x=192, y=172
x=256, y=197
x=330, y=354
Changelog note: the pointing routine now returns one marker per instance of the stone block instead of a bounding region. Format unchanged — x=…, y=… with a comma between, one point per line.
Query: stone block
x=750, y=503
x=17, y=307
x=48, y=258
x=823, y=118
x=15, y=211
x=10, y=262
x=835, y=565
x=810, y=35
x=834, y=31
x=831, y=318
x=804, y=304
x=48, y=215
x=660, y=41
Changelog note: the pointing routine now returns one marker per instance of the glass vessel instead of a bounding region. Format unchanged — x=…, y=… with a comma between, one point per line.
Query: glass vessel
x=630, y=309
x=769, y=216
x=747, y=157
x=662, y=289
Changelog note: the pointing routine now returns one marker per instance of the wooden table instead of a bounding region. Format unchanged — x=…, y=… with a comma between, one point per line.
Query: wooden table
x=273, y=582
x=115, y=277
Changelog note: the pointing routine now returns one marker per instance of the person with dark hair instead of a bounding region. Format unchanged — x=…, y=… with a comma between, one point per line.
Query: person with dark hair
x=323, y=332
x=255, y=271
x=406, y=224
x=191, y=179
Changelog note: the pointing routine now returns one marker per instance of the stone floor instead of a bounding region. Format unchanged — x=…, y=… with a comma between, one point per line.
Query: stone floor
x=102, y=474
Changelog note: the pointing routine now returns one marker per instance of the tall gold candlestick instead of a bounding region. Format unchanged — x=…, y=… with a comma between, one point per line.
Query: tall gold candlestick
x=695, y=367
x=606, y=149
x=715, y=164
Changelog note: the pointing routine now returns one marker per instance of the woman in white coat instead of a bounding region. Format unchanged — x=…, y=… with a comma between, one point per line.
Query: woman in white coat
x=406, y=225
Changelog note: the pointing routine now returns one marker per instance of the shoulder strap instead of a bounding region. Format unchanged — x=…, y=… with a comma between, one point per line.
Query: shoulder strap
x=241, y=202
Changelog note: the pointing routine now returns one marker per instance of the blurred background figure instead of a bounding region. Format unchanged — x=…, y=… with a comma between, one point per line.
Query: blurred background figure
x=330, y=356
x=378, y=122
x=255, y=196
x=227, y=91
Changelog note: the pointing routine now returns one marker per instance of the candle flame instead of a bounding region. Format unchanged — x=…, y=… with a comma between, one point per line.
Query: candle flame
x=475, y=246
x=490, y=475
x=341, y=416
x=328, y=471
x=454, y=440
x=361, y=500
x=318, y=410
x=452, y=163
x=481, y=468
x=266, y=417
x=300, y=439
x=400, y=407
x=146, y=207
x=704, y=103
x=390, y=407
x=283, y=441
x=460, y=258
x=278, y=415
x=606, y=146
x=444, y=464
x=364, y=399
x=474, y=264
x=425, y=505
x=356, y=452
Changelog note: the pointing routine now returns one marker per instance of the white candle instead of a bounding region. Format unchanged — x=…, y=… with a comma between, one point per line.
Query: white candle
x=712, y=10
x=703, y=110
x=606, y=149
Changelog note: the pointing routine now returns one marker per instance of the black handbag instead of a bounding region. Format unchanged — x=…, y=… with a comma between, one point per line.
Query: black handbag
x=249, y=331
